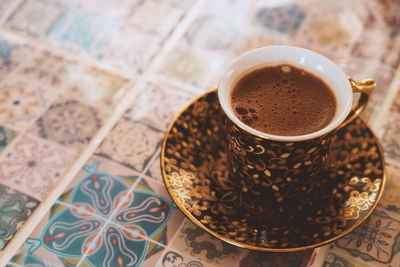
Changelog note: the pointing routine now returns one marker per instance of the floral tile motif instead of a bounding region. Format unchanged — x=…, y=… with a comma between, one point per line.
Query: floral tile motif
x=20, y=103
x=376, y=240
x=104, y=222
x=124, y=248
x=285, y=18
x=391, y=195
x=99, y=87
x=69, y=122
x=6, y=136
x=391, y=137
x=187, y=65
x=158, y=104
x=197, y=243
x=79, y=30
x=154, y=17
x=333, y=260
x=330, y=31
x=134, y=53
x=50, y=70
x=211, y=33
x=132, y=144
x=171, y=258
x=157, y=187
x=15, y=208
x=34, y=165
x=12, y=54
x=35, y=17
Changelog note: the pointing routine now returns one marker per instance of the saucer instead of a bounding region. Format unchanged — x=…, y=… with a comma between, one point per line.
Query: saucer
x=193, y=164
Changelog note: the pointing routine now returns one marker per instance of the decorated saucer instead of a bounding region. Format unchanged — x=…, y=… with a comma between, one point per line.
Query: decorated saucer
x=193, y=164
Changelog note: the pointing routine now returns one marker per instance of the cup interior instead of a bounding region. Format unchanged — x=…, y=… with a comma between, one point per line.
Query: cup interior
x=296, y=56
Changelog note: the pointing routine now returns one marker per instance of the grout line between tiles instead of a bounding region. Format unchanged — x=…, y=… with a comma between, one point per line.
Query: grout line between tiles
x=35, y=218
x=78, y=56
x=176, y=35
x=176, y=83
x=99, y=233
x=58, y=189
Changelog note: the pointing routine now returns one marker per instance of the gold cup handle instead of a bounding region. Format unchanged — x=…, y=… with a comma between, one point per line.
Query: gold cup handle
x=365, y=88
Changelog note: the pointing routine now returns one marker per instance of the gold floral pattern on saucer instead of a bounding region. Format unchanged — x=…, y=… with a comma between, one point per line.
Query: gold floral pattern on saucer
x=193, y=163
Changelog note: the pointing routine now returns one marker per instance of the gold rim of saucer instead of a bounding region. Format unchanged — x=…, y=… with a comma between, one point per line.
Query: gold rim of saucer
x=248, y=246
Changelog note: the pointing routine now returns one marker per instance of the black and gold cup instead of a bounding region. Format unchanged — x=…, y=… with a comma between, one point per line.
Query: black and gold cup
x=274, y=172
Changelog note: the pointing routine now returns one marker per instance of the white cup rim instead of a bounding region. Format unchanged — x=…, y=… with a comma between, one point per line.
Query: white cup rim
x=299, y=57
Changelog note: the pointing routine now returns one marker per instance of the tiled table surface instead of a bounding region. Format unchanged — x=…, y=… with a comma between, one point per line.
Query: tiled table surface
x=87, y=89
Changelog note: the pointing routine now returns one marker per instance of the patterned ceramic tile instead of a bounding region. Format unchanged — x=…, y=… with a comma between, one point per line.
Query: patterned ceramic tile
x=376, y=241
x=371, y=42
x=200, y=245
x=134, y=53
x=154, y=170
x=149, y=186
x=154, y=17
x=391, y=13
x=6, y=136
x=253, y=41
x=333, y=260
x=218, y=34
x=391, y=137
x=15, y=208
x=116, y=9
x=12, y=54
x=132, y=144
x=50, y=70
x=79, y=30
x=34, y=165
x=392, y=53
x=158, y=104
x=331, y=31
x=69, y=122
x=99, y=87
x=105, y=166
x=211, y=33
x=26, y=259
x=20, y=103
x=7, y=8
x=50, y=235
x=285, y=18
x=391, y=196
x=188, y=65
x=173, y=259
x=35, y=17
x=123, y=248
x=396, y=103
x=104, y=222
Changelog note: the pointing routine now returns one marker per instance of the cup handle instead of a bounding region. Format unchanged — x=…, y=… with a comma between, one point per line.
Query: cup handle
x=365, y=88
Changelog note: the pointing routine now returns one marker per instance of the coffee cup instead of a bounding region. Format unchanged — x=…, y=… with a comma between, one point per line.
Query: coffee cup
x=278, y=169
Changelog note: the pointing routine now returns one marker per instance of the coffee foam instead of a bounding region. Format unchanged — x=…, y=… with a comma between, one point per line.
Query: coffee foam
x=283, y=100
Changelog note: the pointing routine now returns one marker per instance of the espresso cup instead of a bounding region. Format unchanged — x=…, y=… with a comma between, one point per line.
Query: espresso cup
x=279, y=169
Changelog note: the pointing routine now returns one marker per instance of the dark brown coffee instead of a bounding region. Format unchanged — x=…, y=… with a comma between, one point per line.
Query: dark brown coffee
x=283, y=100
